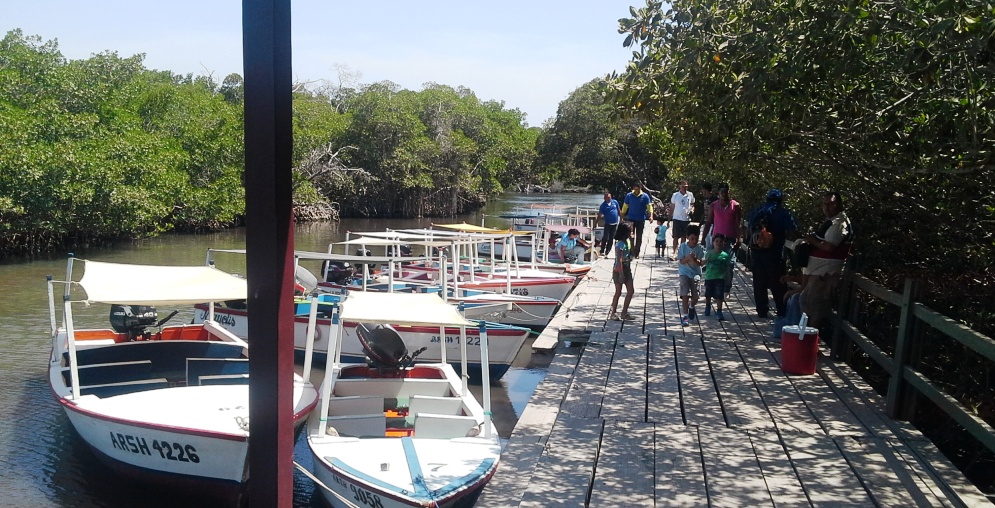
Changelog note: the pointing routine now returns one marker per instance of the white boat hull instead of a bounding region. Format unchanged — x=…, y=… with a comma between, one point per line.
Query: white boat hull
x=410, y=471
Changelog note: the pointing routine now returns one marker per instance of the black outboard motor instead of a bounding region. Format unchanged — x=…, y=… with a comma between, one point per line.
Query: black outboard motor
x=133, y=320
x=384, y=348
x=336, y=272
x=359, y=267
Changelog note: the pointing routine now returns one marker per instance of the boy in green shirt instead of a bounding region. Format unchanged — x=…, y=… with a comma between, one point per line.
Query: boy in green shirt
x=716, y=265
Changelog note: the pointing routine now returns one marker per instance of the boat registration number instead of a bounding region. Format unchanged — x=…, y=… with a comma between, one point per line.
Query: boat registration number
x=165, y=449
x=360, y=494
x=454, y=339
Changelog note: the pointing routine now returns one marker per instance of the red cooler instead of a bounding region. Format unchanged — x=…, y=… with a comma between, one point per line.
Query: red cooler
x=799, y=349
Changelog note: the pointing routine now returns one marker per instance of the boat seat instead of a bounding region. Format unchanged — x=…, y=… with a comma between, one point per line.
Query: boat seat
x=112, y=389
x=199, y=368
x=432, y=404
x=436, y=426
x=114, y=372
x=397, y=388
x=355, y=405
x=224, y=379
x=371, y=425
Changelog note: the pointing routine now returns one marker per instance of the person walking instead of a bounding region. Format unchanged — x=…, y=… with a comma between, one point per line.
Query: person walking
x=769, y=224
x=717, y=262
x=622, y=273
x=609, y=210
x=637, y=208
x=681, y=204
x=690, y=258
x=724, y=218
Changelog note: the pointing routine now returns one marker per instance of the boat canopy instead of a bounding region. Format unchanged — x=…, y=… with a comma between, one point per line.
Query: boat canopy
x=563, y=228
x=126, y=284
x=470, y=228
x=411, y=309
x=424, y=242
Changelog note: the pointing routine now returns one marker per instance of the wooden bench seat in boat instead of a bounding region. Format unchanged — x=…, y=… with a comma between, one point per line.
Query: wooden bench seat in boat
x=369, y=425
x=392, y=387
x=112, y=389
x=216, y=369
x=107, y=373
x=436, y=426
x=355, y=405
x=433, y=404
x=168, y=357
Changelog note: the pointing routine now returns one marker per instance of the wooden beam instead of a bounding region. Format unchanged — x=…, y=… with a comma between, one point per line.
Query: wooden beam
x=269, y=249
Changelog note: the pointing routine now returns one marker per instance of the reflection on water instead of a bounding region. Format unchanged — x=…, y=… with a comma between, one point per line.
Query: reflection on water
x=43, y=462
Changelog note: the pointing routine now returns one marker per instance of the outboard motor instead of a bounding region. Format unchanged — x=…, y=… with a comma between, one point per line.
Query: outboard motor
x=336, y=272
x=359, y=267
x=384, y=348
x=133, y=320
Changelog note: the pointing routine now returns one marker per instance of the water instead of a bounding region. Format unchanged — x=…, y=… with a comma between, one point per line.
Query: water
x=43, y=462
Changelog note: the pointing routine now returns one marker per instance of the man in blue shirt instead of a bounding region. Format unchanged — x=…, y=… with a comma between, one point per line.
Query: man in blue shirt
x=769, y=224
x=571, y=247
x=610, y=211
x=637, y=209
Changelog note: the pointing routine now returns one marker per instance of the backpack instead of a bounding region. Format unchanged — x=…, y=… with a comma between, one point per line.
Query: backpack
x=760, y=230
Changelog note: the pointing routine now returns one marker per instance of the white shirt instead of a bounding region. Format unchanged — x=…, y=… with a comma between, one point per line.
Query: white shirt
x=682, y=205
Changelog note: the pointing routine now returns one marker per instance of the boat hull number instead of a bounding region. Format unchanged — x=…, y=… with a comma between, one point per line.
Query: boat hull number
x=360, y=495
x=164, y=449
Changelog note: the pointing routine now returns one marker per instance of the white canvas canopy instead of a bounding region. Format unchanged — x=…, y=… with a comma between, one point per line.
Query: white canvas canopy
x=158, y=285
x=401, y=309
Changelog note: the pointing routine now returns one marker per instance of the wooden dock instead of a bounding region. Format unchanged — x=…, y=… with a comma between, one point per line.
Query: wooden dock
x=651, y=413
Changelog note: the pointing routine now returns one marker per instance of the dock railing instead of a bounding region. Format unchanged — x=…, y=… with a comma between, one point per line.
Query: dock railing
x=902, y=367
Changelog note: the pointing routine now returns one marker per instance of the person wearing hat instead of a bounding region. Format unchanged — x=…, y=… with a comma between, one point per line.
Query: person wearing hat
x=769, y=224
x=637, y=208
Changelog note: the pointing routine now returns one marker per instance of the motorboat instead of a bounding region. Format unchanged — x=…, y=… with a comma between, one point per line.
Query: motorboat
x=395, y=433
x=165, y=404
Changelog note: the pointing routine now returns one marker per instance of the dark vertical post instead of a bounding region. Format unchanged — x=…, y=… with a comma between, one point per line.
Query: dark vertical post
x=897, y=387
x=269, y=242
x=845, y=291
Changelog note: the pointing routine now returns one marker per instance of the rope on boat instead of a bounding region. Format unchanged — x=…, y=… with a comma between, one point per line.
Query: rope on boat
x=315, y=479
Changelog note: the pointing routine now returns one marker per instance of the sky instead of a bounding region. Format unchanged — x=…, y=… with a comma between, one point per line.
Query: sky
x=528, y=54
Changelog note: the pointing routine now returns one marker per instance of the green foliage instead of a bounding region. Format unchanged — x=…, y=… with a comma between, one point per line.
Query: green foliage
x=103, y=148
x=891, y=103
x=587, y=144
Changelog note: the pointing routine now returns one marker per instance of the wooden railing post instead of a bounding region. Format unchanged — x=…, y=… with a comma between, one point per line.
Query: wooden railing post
x=901, y=398
x=845, y=292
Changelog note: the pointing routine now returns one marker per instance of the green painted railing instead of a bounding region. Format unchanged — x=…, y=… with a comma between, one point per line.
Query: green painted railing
x=905, y=380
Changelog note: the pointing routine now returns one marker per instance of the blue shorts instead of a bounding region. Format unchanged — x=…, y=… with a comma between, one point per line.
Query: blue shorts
x=714, y=288
x=661, y=243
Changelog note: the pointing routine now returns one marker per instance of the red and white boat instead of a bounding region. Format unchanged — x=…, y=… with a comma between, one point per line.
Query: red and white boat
x=164, y=404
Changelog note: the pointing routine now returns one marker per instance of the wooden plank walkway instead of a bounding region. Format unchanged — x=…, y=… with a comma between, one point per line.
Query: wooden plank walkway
x=656, y=414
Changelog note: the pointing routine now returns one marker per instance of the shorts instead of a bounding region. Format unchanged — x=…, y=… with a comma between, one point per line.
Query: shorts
x=661, y=244
x=688, y=287
x=681, y=228
x=818, y=297
x=621, y=277
x=715, y=288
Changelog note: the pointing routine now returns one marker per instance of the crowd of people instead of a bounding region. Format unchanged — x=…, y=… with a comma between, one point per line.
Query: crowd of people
x=768, y=235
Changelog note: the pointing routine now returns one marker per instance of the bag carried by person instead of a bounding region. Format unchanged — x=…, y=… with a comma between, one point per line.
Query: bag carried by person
x=760, y=235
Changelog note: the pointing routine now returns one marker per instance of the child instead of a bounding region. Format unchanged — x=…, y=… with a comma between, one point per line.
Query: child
x=622, y=272
x=716, y=265
x=661, y=237
x=689, y=257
